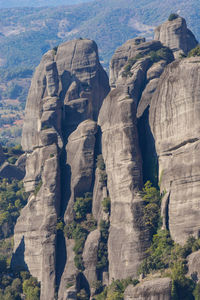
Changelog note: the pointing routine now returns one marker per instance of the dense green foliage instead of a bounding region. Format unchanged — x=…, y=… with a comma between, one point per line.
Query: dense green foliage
x=12, y=199
x=12, y=153
x=102, y=169
x=82, y=225
x=102, y=255
x=106, y=204
x=115, y=291
x=164, y=255
x=152, y=200
x=155, y=56
x=195, y=51
x=14, y=286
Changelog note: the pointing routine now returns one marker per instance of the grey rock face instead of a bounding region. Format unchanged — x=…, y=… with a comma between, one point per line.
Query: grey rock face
x=80, y=159
x=90, y=257
x=174, y=120
x=159, y=289
x=68, y=88
x=127, y=239
x=175, y=35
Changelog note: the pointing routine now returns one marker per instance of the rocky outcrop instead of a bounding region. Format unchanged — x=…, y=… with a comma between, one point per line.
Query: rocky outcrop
x=175, y=35
x=127, y=239
x=174, y=120
x=158, y=288
x=90, y=258
x=80, y=138
x=80, y=159
x=132, y=68
x=67, y=89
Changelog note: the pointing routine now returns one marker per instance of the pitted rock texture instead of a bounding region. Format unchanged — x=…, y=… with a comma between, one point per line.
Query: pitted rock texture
x=80, y=160
x=174, y=120
x=121, y=152
x=67, y=89
x=155, y=289
x=127, y=237
x=175, y=35
x=75, y=75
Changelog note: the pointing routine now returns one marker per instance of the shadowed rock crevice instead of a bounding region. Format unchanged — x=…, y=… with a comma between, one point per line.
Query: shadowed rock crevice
x=18, y=259
x=148, y=151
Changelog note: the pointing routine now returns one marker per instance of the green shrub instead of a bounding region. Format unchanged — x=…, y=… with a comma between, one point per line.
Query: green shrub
x=37, y=188
x=82, y=295
x=78, y=260
x=102, y=256
x=172, y=17
x=79, y=229
x=31, y=289
x=60, y=226
x=194, y=52
x=115, y=291
x=44, y=127
x=100, y=162
x=152, y=201
x=106, y=204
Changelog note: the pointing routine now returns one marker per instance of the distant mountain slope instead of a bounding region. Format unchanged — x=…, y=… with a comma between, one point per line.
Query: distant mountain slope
x=38, y=3
x=27, y=33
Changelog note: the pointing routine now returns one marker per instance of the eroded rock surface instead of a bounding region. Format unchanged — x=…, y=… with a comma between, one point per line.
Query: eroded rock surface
x=175, y=35
x=158, y=288
x=68, y=88
x=174, y=119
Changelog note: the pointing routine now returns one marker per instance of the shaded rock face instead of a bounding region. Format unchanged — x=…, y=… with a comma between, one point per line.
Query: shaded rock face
x=174, y=120
x=67, y=89
x=10, y=172
x=2, y=156
x=159, y=289
x=175, y=35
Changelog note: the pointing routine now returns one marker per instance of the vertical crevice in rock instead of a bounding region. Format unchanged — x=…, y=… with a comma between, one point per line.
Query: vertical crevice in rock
x=148, y=151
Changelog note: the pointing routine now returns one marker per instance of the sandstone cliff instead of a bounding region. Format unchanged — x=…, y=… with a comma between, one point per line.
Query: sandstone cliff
x=87, y=144
x=174, y=119
x=68, y=87
x=175, y=35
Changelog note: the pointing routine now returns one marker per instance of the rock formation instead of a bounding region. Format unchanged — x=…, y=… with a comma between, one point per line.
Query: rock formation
x=68, y=87
x=159, y=288
x=174, y=119
x=82, y=138
x=175, y=35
